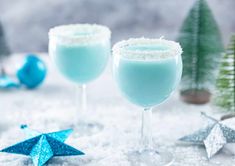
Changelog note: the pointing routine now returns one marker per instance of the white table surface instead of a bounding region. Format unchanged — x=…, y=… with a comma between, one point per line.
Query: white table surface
x=51, y=108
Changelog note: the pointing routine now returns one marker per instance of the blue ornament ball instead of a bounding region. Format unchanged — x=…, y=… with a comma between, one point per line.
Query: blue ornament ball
x=32, y=72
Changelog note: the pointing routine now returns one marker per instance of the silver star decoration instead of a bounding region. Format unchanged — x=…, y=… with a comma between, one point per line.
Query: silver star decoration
x=213, y=137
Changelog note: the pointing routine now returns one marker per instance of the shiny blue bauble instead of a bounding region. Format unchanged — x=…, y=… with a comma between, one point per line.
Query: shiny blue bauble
x=33, y=72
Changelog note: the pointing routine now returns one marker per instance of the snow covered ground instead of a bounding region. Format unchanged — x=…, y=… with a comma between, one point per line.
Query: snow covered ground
x=51, y=108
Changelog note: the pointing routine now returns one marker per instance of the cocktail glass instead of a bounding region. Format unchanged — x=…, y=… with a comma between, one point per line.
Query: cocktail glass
x=80, y=52
x=147, y=71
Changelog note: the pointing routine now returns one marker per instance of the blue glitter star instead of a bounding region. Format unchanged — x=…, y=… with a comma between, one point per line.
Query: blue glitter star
x=42, y=147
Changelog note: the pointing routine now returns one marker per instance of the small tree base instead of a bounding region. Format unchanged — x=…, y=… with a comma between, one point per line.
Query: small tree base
x=193, y=96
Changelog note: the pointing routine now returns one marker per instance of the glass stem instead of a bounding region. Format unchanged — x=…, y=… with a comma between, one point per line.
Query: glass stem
x=146, y=130
x=81, y=101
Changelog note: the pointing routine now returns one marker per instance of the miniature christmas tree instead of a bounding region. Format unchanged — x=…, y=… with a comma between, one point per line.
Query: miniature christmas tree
x=225, y=83
x=4, y=49
x=202, y=47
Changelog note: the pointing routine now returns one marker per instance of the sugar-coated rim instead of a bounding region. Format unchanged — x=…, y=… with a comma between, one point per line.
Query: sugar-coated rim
x=119, y=49
x=64, y=33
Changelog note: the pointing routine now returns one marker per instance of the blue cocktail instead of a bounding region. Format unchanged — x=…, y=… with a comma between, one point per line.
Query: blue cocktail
x=147, y=71
x=81, y=64
x=80, y=52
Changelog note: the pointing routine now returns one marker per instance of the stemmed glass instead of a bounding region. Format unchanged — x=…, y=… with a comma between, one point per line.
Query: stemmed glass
x=147, y=71
x=80, y=52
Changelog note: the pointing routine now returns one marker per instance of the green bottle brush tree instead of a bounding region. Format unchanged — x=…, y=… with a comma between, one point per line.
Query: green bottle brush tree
x=4, y=49
x=202, y=47
x=225, y=83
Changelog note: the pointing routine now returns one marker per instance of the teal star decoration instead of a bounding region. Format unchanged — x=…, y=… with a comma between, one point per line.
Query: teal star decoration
x=7, y=83
x=42, y=147
x=214, y=137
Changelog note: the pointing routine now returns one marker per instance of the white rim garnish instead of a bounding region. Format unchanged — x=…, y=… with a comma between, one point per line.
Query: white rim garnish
x=119, y=49
x=66, y=34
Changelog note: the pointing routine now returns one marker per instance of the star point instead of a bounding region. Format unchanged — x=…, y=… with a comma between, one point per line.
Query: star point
x=43, y=147
x=214, y=136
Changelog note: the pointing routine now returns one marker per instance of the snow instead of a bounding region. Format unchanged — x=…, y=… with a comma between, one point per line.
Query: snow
x=51, y=108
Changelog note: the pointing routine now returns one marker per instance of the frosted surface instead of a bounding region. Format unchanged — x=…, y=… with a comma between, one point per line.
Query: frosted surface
x=50, y=108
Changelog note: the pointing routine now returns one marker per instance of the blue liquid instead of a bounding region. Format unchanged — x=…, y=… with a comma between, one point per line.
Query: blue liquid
x=81, y=63
x=148, y=48
x=148, y=82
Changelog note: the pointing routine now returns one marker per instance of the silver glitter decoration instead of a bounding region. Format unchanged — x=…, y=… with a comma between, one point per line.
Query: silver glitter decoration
x=213, y=137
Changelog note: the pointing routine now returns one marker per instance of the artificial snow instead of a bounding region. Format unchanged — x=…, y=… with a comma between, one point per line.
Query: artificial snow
x=51, y=107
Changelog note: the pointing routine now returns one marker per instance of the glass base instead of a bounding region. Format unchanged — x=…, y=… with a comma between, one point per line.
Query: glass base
x=150, y=158
x=87, y=128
